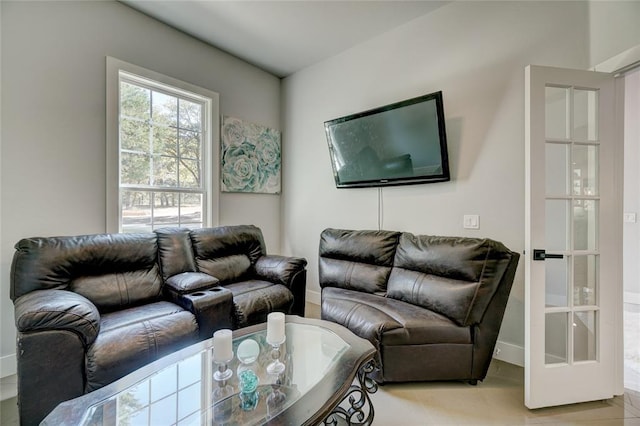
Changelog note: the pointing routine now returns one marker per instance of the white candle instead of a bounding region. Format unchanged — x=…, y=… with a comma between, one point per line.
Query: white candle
x=222, y=346
x=275, y=328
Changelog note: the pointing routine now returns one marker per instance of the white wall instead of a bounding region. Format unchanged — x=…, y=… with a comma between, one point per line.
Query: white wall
x=613, y=28
x=474, y=52
x=53, y=119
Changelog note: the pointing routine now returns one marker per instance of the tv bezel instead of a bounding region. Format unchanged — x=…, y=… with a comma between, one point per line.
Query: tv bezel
x=445, y=176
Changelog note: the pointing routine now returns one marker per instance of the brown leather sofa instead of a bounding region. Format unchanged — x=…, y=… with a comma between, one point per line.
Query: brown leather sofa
x=91, y=309
x=432, y=306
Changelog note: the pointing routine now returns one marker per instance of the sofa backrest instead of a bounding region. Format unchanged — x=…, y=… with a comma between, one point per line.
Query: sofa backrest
x=175, y=251
x=456, y=277
x=228, y=253
x=357, y=260
x=114, y=271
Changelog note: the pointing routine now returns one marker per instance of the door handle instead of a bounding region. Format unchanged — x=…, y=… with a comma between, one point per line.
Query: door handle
x=542, y=255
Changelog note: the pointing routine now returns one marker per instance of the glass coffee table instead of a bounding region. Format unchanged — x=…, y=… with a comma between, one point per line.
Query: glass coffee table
x=321, y=359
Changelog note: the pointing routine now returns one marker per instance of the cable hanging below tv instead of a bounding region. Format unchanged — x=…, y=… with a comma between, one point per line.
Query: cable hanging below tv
x=398, y=144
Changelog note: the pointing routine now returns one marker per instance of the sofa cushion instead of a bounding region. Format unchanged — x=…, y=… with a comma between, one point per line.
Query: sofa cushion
x=228, y=252
x=119, y=290
x=175, y=251
x=131, y=338
x=358, y=260
x=373, y=247
x=189, y=282
x=226, y=269
x=254, y=299
x=389, y=322
x=353, y=275
x=124, y=261
x=452, y=276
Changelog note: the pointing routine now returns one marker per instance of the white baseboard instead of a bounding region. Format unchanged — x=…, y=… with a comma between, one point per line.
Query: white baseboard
x=508, y=352
x=8, y=365
x=313, y=297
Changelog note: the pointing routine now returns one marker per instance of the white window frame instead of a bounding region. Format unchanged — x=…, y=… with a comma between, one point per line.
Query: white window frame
x=211, y=139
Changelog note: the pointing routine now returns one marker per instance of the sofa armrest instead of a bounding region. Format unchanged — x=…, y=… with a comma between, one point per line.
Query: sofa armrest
x=289, y=271
x=189, y=282
x=279, y=269
x=55, y=310
x=212, y=307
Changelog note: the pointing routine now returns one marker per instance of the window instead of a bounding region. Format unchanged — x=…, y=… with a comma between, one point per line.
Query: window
x=161, y=161
x=164, y=144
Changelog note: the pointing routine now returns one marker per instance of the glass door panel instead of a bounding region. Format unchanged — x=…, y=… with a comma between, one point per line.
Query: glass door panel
x=585, y=172
x=557, y=229
x=556, y=282
x=585, y=113
x=584, y=336
x=557, y=156
x=585, y=223
x=557, y=113
x=556, y=338
x=585, y=278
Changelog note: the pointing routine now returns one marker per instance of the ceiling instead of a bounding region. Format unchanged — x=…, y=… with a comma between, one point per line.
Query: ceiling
x=283, y=37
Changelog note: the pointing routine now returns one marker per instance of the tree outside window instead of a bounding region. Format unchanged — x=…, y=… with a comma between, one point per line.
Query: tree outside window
x=161, y=157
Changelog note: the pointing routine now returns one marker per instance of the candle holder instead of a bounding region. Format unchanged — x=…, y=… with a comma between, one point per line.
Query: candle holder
x=275, y=337
x=222, y=355
x=223, y=373
x=275, y=366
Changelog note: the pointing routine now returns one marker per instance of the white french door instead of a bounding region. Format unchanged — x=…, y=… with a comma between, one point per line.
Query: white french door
x=573, y=237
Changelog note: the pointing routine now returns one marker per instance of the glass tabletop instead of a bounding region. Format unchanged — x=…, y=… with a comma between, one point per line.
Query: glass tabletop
x=182, y=391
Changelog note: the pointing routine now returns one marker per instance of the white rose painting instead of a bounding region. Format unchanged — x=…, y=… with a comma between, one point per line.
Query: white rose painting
x=250, y=157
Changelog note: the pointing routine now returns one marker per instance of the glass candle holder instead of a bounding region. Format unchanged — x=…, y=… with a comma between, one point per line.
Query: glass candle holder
x=222, y=355
x=275, y=366
x=223, y=373
x=275, y=337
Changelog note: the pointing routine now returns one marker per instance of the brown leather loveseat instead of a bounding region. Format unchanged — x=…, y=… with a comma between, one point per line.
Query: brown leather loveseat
x=91, y=309
x=432, y=306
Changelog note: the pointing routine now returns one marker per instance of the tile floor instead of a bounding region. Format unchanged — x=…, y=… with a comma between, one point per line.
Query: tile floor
x=631, y=316
x=496, y=401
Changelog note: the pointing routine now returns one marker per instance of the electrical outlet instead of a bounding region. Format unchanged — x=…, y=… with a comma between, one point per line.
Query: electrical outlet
x=629, y=218
x=471, y=221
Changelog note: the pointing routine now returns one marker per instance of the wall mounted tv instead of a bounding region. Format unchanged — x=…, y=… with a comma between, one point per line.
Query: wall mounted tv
x=398, y=144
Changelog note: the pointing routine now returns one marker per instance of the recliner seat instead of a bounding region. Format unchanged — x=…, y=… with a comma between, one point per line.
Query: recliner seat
x=432, y=306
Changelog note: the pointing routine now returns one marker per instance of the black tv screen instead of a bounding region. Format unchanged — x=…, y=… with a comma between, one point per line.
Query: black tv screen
x=398, y=144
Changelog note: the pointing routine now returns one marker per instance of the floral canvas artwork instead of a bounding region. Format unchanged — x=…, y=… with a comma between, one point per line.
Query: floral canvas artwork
x=250, y=157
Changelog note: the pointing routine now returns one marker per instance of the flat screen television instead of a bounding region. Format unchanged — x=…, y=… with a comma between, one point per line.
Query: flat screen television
x=398, y=144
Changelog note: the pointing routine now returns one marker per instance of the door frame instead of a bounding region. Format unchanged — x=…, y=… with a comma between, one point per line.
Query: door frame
x=618, y=65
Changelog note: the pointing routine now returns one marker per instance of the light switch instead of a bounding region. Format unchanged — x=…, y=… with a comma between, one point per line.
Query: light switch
x=471, y=221
x=629, y=218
